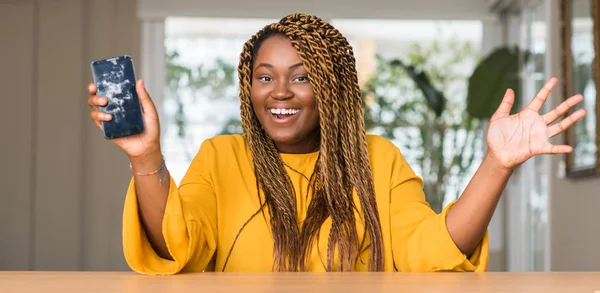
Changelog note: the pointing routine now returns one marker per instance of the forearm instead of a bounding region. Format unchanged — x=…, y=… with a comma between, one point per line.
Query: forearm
x=152, y=194
x=468, y=218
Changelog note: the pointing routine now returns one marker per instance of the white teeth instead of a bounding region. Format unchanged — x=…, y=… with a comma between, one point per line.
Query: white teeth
x=284, y=111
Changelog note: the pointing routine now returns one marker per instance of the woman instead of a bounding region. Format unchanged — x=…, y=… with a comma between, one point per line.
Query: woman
x=295, y=192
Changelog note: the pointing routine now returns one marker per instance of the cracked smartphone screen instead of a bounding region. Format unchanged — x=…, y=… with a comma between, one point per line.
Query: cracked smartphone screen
x=115, y=80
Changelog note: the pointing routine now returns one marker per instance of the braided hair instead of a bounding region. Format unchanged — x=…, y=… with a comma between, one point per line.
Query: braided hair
x=343, y=162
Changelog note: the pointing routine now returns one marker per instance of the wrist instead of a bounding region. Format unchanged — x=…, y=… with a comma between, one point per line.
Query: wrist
x=147, y=162
x=492, y=162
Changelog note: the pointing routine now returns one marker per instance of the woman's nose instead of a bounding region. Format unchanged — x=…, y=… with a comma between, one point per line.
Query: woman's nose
x=282, y=91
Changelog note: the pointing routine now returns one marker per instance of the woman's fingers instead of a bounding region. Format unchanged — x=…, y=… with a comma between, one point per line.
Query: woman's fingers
x=566, y=123
x=556, y=149
x=92, y=89
x=539, y=100
x=99, y=116
x=561, y=109
x=506, y=105
x=96, y=101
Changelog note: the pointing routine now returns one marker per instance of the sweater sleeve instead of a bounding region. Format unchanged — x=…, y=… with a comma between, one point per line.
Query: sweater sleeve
x=420, y=238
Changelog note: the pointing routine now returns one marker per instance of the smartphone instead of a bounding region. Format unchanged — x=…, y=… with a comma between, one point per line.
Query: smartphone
x=115, y=80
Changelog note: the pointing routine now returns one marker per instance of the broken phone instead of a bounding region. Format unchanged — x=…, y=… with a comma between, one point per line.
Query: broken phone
x=115, y=80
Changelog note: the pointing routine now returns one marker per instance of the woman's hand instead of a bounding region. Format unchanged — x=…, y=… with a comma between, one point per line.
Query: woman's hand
x=136, y=146
x=513, y=139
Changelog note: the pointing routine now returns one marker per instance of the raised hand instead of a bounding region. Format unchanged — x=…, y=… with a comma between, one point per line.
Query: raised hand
x=513, y=139
x=135, y=146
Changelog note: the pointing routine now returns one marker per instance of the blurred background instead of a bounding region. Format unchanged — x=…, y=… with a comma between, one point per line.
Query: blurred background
x=431, y=71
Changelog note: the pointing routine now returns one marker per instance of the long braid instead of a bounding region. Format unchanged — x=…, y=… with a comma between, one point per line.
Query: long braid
x=280, y=201
x=328, y=57
x=357, y=150
x=340, y=206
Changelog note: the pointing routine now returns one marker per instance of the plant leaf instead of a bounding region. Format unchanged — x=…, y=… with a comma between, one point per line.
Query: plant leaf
x=496, y=73
x=436, y=100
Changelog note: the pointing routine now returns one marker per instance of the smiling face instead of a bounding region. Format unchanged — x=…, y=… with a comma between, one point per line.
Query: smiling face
x=283, y=98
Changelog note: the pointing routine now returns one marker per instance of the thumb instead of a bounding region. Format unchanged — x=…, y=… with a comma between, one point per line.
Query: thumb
x=147, y=104
x=506, y=105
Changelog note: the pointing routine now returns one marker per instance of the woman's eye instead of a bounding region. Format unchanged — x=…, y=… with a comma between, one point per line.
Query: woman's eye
x=301, y=79
x=265, y=79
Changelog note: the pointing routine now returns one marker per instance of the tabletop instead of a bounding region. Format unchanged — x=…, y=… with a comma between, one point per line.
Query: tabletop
x=299, y=282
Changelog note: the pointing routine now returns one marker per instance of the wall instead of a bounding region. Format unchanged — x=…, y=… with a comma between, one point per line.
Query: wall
x=61, y=195
x=575, y=204
x=404, y=9
x=62, y=187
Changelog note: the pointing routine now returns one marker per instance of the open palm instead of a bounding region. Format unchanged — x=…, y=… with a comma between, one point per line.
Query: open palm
x=513, y=139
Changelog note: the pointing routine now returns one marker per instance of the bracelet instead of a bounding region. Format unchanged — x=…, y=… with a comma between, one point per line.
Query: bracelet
x=162, y=167
x=147, y=174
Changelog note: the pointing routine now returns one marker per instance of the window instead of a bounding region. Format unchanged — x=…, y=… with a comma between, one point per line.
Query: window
x=200, y=94
x=201, y=91
x=447, y=51
x=534, y=174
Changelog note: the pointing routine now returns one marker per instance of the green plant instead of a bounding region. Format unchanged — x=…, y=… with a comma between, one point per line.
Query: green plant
x=497, y=72
x=407, y=102
x=216, y=81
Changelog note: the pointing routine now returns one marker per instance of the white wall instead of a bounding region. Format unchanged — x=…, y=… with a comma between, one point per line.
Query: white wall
x=575, y=204
x=390, y=9
x=62, y=185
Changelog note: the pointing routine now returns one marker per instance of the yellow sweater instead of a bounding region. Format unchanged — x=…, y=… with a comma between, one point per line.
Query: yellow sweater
x=218, y=195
